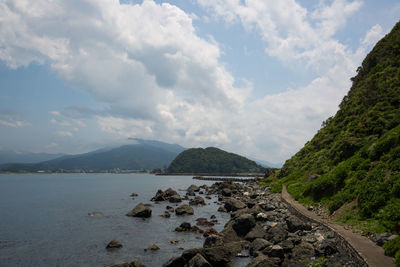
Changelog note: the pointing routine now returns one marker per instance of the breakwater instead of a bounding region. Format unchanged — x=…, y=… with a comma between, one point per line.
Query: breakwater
x=223, y=179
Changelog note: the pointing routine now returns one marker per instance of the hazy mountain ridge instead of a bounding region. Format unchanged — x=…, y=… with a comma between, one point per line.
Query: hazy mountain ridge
x=144, y=155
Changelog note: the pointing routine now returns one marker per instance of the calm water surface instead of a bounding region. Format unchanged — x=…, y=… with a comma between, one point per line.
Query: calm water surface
x=44, y=219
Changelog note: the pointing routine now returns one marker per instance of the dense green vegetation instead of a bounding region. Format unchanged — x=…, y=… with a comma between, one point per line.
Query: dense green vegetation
x=211, y=160
x=356, y=153
x=145, y=155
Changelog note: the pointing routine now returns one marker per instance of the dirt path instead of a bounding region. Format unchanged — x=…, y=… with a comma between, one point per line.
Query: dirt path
x=372, y=254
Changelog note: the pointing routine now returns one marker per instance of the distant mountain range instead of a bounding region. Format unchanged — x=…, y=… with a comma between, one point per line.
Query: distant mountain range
x=9, y=156
x=212, y=160
x=144, y=155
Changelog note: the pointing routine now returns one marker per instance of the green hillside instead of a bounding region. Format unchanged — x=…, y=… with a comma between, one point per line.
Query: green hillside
x=211, y=160
x=356, y=153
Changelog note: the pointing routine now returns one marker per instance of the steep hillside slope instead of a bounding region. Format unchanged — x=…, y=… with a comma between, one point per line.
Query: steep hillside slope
x=356, y=153
x=212, y=160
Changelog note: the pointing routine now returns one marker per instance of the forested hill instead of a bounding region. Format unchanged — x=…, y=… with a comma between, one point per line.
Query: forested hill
x=212, y=160
x=356, y=153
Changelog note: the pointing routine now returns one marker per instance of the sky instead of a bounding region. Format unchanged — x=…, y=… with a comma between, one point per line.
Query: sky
x=254, y=77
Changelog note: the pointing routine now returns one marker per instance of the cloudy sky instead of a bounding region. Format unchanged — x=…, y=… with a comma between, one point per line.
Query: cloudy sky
x=255, y=77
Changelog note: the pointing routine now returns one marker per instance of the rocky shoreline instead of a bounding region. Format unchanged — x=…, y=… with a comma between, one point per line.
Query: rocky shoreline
x=262, y=227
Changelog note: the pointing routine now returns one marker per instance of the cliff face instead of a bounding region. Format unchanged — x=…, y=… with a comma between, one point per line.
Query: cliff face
x=356, y=153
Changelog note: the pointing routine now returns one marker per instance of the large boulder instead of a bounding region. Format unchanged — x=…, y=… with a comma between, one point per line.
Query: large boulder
x=232, y=204
x=218, y=256
x=175, y=262
x=264, y=261
x=294, y=224
x=213, y=241
x=243, y=224
x=140, y=211
x=193, y=188
x=175, y=198
x=258, y=244
x=276, y=234
x=184, y=210
x=257, y=232
x=198, y=261
x=226, y=192
x=303, y=250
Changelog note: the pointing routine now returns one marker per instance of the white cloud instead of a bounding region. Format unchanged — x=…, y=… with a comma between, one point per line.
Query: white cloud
x=373, y=35
x=60, y=122
x=63, y=133
x=11, y=119
x=55, y=113
x=160, y=80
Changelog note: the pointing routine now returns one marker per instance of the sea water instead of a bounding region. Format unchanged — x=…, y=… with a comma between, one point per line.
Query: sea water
x=44, y=219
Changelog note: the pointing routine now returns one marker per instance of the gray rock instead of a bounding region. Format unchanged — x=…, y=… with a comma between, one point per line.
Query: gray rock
x=152, y=247
x=175, y=198
x=210, y=231
x=218, y=256
x=325, y=247
x=243, y=224
x=175, y=262
x=258, y=244
x=222, y=209
x=213, y=241
x=140, y=211
x=184, y=210
x=190, y=253
x=381, y=239
x=257, y=232
x=294, y=224
x=198, y=261
x=198, y=200
x=232, y=204
x=226, y=192
x=287, y=245
x=264, y=261
x=303, y=251
x=276, y=234
x=274, y=251
x=193, y=188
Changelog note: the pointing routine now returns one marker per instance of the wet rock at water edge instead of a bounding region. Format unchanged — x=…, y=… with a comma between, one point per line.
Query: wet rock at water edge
x=187, y=227
x=232, y=204
x=218, y=256
x=198, y=200
x=113, y=244
x=204, y=222
x=152, y=247
x=210, y=231
x=140, y=211
x=134, y=195
x=193, y=188
x=198, y=261
x=175, y=198
x=95, y=213
x=184, y=210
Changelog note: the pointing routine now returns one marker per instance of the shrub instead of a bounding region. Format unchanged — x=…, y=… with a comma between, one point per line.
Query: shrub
x=392, y=246
x=390, y=214
x=372, y=197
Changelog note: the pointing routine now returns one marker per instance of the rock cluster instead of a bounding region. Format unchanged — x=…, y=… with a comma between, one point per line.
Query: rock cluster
x=263, y=228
